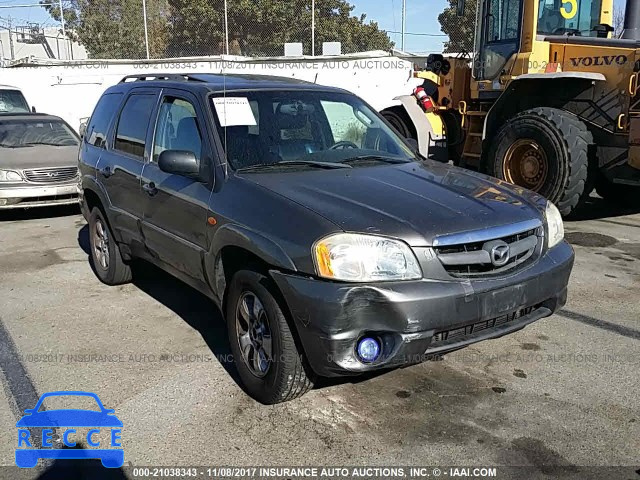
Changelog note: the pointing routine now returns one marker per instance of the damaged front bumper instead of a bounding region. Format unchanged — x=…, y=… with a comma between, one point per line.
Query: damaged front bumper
x=417, y=319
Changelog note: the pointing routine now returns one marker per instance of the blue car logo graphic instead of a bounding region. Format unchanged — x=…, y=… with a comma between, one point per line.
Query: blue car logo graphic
x=67, y=420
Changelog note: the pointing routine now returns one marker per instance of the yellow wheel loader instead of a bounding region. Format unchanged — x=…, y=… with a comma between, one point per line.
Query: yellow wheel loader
x=548, y=101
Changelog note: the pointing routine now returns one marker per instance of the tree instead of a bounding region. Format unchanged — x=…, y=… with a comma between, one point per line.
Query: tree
x=196, y=27
x=115, y=28
x=461, y=30
x=618, y=21
x=262, y=27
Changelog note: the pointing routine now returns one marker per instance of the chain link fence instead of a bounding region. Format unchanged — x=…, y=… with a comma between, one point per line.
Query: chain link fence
x=140, y=29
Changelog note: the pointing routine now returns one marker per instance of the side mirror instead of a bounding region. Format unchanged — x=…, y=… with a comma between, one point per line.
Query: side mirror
x=460, y=8
x=33, y=109
x=179, y=162
x=83, y=129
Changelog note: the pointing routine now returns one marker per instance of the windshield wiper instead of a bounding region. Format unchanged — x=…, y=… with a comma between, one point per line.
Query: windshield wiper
x=312, y=163
x=378, y=158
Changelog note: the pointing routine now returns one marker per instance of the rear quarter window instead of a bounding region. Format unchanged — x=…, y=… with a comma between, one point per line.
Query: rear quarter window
x=98, y=127
x=133, y=124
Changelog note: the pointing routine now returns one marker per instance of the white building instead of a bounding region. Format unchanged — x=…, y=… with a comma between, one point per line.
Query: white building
x=33, y=41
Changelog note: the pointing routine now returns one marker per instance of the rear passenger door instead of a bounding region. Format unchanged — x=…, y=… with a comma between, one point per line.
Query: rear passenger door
x=176, y=207
x=120, y=166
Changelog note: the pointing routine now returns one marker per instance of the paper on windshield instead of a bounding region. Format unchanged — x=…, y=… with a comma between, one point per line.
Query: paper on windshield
x=234, y=111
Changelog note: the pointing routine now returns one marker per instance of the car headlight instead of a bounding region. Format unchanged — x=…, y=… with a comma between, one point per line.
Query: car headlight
x=555, y=227
x=364, y=258
x=10, y=176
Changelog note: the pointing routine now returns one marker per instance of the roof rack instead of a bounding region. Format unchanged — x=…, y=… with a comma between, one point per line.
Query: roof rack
x=159, y=76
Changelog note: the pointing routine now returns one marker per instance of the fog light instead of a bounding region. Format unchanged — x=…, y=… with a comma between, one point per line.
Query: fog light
x=3, y=202
x=368, y=349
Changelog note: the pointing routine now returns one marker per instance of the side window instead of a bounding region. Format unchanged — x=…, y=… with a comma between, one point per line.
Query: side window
x=96, y=133
x=504, y=20
x=133, y=123
x=177, y=128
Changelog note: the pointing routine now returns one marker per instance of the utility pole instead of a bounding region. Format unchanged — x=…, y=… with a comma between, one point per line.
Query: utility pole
x=64, y=32
x=313, y=28
x=226, y=28
x=11, y=49
x=404, y=21
x=146, y=31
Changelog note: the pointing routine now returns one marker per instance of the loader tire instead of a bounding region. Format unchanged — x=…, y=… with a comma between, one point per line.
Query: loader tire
x=545, y=150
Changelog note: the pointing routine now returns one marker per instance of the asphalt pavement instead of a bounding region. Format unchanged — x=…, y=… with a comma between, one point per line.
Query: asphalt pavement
x=559, y=395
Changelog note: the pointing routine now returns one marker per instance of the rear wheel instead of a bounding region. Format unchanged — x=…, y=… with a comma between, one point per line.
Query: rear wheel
x=106, y=259
x=545, y=150
x=269, y=364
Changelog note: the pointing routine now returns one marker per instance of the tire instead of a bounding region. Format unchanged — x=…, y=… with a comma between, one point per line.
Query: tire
x=401, y=122
x=562, y=139
x=113, y=271
x=283, y=377
x=620, y=195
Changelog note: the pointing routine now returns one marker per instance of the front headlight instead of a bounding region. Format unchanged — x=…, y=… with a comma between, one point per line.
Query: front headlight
x=354, y=257
x=10, y=176
x=555, y=227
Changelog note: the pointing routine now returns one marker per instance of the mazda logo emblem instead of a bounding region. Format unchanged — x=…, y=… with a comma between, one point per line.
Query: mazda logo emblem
x=499, y=252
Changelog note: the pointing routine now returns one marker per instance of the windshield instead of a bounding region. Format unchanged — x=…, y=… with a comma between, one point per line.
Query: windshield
x=12, y=101
x=304, y=128
x=577, y=17
x=28, y=132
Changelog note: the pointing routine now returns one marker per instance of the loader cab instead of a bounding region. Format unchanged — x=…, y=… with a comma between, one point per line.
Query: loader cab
x=509, y=27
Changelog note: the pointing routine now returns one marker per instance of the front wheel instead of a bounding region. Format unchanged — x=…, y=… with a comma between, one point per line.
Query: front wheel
x=106, y=258
x=545, y=150
x=269, y=364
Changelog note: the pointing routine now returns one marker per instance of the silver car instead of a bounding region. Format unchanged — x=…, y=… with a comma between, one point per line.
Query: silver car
x=38, y=161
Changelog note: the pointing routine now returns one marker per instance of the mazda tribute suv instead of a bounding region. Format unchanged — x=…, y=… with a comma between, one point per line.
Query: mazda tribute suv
x=331, y=247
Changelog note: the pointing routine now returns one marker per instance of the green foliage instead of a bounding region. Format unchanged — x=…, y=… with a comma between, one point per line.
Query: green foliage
x=461, y=30
x=114, y=28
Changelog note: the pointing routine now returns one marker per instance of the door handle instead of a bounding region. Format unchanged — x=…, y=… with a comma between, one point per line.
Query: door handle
x=150, y=188
x=106, y=172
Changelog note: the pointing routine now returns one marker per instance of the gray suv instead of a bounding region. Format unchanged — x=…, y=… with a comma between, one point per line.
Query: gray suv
x=331, y=247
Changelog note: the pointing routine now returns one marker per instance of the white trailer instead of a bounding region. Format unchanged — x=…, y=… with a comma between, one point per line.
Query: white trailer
x=70, y=89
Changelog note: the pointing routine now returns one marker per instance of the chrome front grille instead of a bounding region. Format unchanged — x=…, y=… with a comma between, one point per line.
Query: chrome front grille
x=51, y=175
x=487, y=255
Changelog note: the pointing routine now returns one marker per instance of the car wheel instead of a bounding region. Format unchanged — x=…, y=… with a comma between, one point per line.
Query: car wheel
x=269, y=364
x=106, y=258
x=545, y=150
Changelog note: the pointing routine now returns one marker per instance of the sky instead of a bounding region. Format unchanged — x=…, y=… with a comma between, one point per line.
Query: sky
x=424, y=34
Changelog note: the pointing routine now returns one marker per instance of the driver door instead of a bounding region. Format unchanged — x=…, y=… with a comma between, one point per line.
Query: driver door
x=499, y=38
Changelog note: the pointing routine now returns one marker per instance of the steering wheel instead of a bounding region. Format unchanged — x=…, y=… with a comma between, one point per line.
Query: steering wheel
x=343, y=145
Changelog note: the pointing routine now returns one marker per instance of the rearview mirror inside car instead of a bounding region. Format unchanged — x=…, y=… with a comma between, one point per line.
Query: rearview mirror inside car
x=179, y=162
x=460, y=8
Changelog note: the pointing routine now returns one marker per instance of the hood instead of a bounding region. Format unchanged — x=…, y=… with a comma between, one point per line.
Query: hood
x=38, y=156
x=414, y=202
